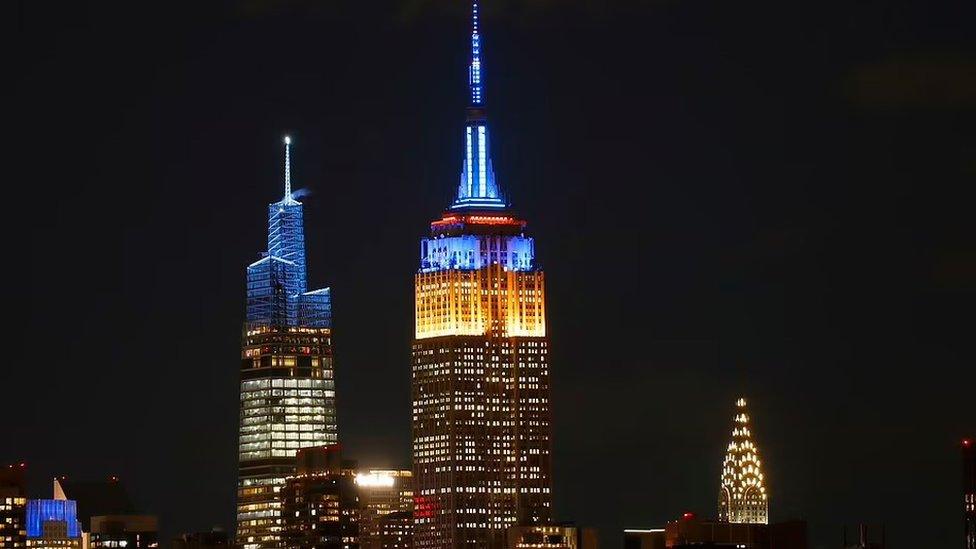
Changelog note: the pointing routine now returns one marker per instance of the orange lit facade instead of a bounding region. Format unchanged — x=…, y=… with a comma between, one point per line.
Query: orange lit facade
x=481, y=283
x=481, y=412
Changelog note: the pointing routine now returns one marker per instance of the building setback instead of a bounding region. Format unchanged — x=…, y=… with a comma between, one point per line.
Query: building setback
x=287, y=383
x=480, y=364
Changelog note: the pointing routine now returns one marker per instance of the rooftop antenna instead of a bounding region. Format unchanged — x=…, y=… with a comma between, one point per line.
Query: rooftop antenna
x=287, y=169
x=474, y=77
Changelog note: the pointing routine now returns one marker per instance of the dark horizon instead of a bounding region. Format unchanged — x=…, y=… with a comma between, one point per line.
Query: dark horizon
x=758, y=200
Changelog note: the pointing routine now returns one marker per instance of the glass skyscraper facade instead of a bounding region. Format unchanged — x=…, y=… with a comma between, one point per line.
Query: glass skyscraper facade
x=287, y=374
x=480, y=365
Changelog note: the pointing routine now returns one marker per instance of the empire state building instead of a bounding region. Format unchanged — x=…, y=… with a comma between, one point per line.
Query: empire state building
x=480, y=365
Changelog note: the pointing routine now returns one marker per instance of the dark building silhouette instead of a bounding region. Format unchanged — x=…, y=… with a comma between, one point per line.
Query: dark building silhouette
x=692, y=532
x=319, y=504
x=644, y=538
x=13, y=507
x=214, y=539
x=969, y=491
x=94, y=497
x=865, y=537
x=124, y=531
x=551, y=536
x=393, y=531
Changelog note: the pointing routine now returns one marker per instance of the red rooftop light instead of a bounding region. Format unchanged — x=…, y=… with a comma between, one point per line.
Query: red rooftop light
x=688, y=516
x=967, y=443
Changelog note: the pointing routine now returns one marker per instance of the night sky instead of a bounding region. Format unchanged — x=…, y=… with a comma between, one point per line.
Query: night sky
x=769, y=199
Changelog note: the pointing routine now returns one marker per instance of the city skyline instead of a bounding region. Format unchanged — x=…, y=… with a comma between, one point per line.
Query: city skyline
x=720, y=217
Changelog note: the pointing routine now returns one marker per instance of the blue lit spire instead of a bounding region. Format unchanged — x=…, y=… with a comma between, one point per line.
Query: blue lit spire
x=477, y=189
x=474, y=72
x=277, y=284
x=287, y=198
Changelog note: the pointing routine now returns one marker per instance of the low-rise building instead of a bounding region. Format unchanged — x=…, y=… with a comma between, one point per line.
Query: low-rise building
x=692, y=532
x=551, y=536
x=124, y=532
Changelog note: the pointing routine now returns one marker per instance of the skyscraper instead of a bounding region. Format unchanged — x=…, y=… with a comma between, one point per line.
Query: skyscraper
x=287, y=385
x=480, y=387
x=969, y=491
x=742, y=497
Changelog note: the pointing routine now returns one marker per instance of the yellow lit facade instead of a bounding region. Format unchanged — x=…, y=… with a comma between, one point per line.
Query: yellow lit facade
x=487, y=301
x=481, y=411
x=743, y=498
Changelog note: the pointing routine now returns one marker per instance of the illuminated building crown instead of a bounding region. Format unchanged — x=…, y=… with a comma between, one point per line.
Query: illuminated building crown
x=277, y=284
x=742, y=498
x=477, y=188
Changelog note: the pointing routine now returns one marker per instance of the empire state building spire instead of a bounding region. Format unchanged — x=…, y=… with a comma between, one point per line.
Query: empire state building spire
x=474, y=71
x=477, y=189
x=742, y=497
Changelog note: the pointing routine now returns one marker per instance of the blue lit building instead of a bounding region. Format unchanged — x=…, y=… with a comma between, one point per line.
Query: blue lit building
x=53, y=524
x=287, y=374
x=482, y=420
x=277, y=284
